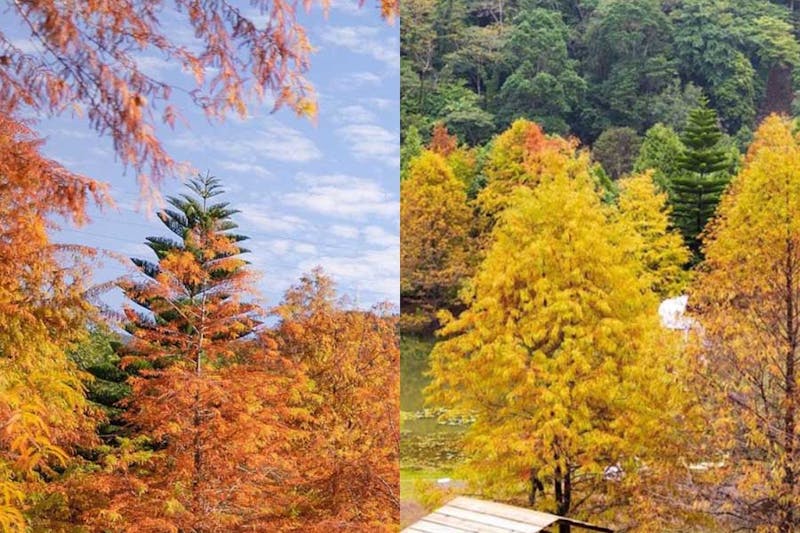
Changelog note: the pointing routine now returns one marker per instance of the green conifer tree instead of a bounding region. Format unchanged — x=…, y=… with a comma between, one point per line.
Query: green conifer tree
x=705, y=164
x=99, y=356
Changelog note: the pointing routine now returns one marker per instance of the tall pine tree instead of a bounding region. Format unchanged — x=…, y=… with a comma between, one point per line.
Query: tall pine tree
x=213, y=416
x=705, y=164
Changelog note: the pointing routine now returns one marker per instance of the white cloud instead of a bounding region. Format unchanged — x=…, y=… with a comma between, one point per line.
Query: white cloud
x=382, y=103
x=347, y=6
x=280, y=246
x=343, y=196
x=155, y=66
x=259, y=217
x=344, y=231
x=140, y=250
x=357, y=80
x=305, y=248
x=379, y=236
x=246, y=168
x=369, y=141
x=354, y=114
x=368, y=40
x=280, y=143
x=371, y=276
x=275, y=141
x=71, y=133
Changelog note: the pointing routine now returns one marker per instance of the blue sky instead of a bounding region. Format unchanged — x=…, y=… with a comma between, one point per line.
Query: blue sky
x=324, y=194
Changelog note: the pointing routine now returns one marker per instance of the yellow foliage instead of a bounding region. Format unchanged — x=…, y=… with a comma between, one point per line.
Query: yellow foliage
x=434, y=221
x=747, y=297
x=522, y=156
x=43, y=410
x=560, y=358
x=660, y=248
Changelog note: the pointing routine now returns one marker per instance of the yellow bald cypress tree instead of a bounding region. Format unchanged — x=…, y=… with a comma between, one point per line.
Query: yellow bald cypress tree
x=560, y=360
x=660, y=249
x=521, y=156
x=434, y=237
x=747, y=299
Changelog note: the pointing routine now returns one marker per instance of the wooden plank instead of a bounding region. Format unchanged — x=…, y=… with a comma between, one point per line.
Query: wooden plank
x=424, y=526
x=514, y=526
x=466, y=525
x=469, y=515
x=520, y=514
x=526, y=516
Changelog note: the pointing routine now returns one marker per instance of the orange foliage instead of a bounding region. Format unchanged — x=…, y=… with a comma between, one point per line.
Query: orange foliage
x=353, y=359
x=42, y=312
x=87, y=58
x=441, y=141
x=214, y=410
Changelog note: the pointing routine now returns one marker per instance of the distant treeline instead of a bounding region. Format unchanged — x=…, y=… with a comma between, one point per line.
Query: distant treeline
x=580, y=67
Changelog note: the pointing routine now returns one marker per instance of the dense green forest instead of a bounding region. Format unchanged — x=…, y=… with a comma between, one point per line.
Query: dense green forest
x=585, y=67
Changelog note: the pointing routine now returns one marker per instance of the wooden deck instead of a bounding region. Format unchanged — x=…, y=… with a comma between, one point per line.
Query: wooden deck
x=468, y=515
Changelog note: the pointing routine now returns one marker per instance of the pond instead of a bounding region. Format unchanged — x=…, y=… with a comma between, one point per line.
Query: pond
x=426, y=443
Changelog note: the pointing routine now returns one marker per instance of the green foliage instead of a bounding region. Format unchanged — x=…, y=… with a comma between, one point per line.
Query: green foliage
x=98, y=356
x=476, y=59
x=467, y=120
x=411, y=147
x=701, y=139
x=629, y=62
x=543, y=85
x=616, y=149
x=728, y=47
x=705, y=164
x=673, y=105
x=660, y=152
x=583, y=66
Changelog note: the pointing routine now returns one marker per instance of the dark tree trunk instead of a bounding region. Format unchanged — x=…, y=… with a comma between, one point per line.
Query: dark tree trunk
x=778, y=94
x=536, y=486
x=787, y=520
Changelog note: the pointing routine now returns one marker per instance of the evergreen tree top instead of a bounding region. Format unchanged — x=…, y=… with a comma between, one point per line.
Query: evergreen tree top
x=192, y=214
x=704, y=154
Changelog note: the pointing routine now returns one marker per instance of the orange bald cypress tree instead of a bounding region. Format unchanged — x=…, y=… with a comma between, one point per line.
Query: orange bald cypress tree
x=212, y=411
x=353, y=359
x=44, y=415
